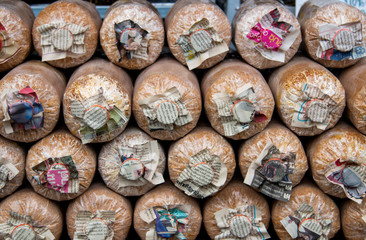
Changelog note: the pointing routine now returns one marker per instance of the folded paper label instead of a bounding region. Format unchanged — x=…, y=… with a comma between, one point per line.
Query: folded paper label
x=305, y=224
x=239, y=110
x=269, y=173
x=94, y=226
x=8, y=48
x=201, y=43
x=241, y=223
x=203, y=176
x=165, y=110
x=7, y=172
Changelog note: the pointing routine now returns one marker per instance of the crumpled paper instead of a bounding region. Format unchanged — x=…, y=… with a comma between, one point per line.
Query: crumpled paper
x=165, y=110
x=241, y=223
x=7, y=172
x=131, y=40
x=166, y=221
x=96, y=117
x=239, y=110
x=21, y=226
x=203, y=176
x=8, y=48
x=59, y=174
x=60, y=40
x=306, y=224
x=94, y=226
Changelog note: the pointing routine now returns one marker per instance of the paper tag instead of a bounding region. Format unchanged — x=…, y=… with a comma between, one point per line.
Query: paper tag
x=59, y=174
x=200, y=43
x=239, y=110
x=166, y=221
x=313, y=108
x=305, y=224
x=22, y=227
x=350, y=176
x=269, y=173
x=94, y=226
x=8, y=48
x=193, y=181
x=341, y=42
x=61, y=40
x=273, y=38
x=244, y=222
x=165, y=110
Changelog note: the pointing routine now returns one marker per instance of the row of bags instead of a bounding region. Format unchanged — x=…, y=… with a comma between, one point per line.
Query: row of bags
x=266, y=34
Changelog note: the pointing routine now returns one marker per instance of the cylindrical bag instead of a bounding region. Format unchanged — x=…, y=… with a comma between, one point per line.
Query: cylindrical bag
x=201, y=163
x=65, y=33
x=334, y=32
x=353, y=216
x=99, y=213
x=133, y=163
x=266, y=33
x=309, y=98
x=168, y=213
x=132, y=34
x=167, y=100
x=30, y=96
x=237, y=99
x=97, y=101
x=60, y=167
x=16, y=21
x=198, y=33
x=27, y=215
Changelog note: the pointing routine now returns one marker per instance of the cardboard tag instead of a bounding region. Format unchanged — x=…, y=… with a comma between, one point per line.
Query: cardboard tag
x=8, y=48
x=94, y=226
x=269, y=173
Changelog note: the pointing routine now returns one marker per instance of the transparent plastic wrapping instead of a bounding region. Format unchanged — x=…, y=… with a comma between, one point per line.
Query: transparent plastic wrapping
x=60, y=144
x=110, y=161
x=199, y=140
x=249, y=14
x=320, y=13
x=296, y=88
x=145, y=15
x=228, y=77
x=157, y=79
x=99, y=198
x=13, y=154
x=86, y=82
x=353, y=80
x=41, y=210
x=342, y=142
x=184, y=14
x=285, y=140
x=17, y=18
x=165, y=195
x=49, y=85
x=76, y=12
x=353, y=216
x=234, y=195
x=305, y=193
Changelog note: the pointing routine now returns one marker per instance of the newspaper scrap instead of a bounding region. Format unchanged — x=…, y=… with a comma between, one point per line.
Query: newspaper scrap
x=166, y=221
x=7, y=172
x=131, y=40
x=239, y=110
x=269, y=173
x=204, y=175
x=59, y=174
x=241, y=223
x=23, y=227
x=273, y=38
x=313, y=108
x=60, y=40
x=350, y=176
x=139, y=164
x=305, y=224
x=165, y=110
x=8, y=48
x=200, y=43
x=96, y=117
x=343, y=42
x=22, y=110
x=94, y=226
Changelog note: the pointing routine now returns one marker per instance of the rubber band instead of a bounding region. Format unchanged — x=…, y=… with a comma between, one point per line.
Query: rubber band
x=306, y=220
x=201, y=29
x=241, y=100
x=239, y=215
x=23, y=100
x=58, y=164
x=104, y=222
x=100, y=106
x=274, y=159
x=176, y=105
x=343, y=29
x=312, y=100
x=23, y=224
x=213, y=170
